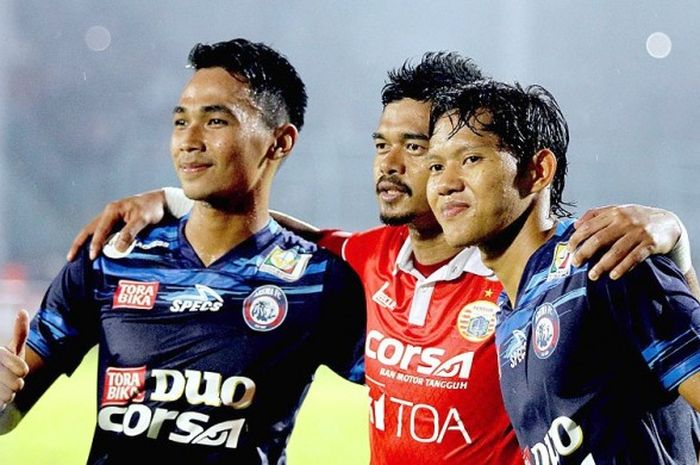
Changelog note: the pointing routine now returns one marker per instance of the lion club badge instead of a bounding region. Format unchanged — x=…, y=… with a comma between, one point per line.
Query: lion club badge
x=477, y=320
x=545, y=330
x=265, y=308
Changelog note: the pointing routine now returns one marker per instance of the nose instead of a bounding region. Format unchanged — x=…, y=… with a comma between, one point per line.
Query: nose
x=449, y=181
x=392, y=162
x=190, y=139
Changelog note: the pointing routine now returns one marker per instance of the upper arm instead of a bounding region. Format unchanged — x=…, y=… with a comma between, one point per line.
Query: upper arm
x=343, y=322
x=65, y=327
x=657, y=313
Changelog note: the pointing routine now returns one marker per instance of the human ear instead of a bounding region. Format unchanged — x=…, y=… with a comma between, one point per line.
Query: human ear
x=285, y=138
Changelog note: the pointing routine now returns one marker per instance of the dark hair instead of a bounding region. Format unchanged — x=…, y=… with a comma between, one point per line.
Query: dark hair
x=525, y=120
x=436, y=71
x=274, y=83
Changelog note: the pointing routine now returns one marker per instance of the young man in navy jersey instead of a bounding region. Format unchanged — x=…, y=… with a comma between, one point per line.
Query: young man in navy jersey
x=211, y=327
x=591, y=371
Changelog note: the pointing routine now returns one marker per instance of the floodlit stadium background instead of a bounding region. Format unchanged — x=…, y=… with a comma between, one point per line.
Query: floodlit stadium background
x=86, y=90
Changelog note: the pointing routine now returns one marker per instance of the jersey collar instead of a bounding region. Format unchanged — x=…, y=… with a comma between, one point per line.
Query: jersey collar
x=467, y=261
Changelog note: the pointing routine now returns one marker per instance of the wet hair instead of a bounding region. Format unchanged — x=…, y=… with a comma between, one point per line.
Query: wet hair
x=435, y=71
x=525, y=120
x=275, y=85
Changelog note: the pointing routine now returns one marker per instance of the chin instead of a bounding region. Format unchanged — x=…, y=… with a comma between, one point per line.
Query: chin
x=194, y=193
x=396, y=218
x=458, y=238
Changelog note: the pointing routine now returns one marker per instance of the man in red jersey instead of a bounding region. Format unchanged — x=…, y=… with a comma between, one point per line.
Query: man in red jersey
x=430, y=355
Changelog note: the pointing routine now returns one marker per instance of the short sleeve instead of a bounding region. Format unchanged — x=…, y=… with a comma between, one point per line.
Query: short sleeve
x=657, y=313
x=65, y=327
x=343, y=322
x=333, y=240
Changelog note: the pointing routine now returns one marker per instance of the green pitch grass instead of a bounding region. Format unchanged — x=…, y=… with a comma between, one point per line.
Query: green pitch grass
x=331, y=427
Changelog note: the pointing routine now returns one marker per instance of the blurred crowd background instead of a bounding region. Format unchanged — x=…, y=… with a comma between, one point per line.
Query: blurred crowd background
x=87, y=87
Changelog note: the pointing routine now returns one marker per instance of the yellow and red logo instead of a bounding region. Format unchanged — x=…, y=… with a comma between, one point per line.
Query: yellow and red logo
x=476, y=322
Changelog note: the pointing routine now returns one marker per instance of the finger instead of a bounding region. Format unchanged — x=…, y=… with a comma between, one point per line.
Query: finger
x=590, y=214
x=129, y=232
x=79, y=241
x=11, y=366
x=106, y=223
x=634, y=258
x=7, y=395
x=613, y=257
x=589, y=238
x=587, y=229
x=20, y=333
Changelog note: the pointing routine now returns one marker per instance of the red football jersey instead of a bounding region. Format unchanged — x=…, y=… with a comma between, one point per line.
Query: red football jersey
x=430, y=355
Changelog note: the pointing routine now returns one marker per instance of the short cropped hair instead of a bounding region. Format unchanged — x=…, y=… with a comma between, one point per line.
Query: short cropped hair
x=274, y=83
x=435, y=71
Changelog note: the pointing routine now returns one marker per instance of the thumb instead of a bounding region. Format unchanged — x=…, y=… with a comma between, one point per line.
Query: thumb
x=20, y=333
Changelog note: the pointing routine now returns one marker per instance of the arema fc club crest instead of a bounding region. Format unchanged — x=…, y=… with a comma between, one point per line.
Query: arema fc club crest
x=265, y=308
x=477, y=320
x=545, y=331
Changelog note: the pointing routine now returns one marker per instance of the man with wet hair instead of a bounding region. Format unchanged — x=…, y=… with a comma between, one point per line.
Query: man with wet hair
x=430, y=353
x=210, y=327
x=591, y=370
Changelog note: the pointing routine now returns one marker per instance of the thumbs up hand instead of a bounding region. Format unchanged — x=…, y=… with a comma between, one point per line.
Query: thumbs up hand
x=13, y=368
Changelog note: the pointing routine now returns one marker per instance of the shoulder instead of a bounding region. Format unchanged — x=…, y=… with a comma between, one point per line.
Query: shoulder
x=164, y=235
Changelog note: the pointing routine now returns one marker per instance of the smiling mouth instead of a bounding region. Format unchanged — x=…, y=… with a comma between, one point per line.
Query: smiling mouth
x=194, y=168
x=452, y=209
x=390, y=191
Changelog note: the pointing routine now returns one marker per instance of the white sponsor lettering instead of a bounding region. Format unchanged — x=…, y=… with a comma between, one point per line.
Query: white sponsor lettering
x=392, y=352
x=197, y=387
x=563, y=438
x=236, y=392
x=136, y=419
x=421, y=422
x=204, y=299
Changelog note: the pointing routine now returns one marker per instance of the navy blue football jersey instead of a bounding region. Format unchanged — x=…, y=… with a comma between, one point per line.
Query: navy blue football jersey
x=202, y=365
x=590, y=369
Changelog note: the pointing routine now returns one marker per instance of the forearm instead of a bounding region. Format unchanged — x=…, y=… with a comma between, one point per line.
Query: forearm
x=305, y=230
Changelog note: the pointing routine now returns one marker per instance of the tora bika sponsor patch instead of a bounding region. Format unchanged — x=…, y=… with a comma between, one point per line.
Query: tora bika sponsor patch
x=135, y=294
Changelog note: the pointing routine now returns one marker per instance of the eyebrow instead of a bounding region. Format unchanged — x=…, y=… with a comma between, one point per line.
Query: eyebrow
x=206, y=109
x=404, y=136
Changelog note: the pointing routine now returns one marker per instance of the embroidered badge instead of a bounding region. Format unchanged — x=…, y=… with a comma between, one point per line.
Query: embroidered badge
x=288, y=265
x=265, y=308
x=477, y=320
x=561, y=263
x=545, y=330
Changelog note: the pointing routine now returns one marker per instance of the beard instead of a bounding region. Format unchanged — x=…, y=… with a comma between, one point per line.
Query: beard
x=396, y=220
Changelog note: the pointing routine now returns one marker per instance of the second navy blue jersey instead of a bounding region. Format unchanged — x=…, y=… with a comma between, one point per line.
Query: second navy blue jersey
x=202, y=365
x=590, y=369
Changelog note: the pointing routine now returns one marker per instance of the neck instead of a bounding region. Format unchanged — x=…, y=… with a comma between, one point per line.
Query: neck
x=430, y=247
x=213, y=231
x=507, y=253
